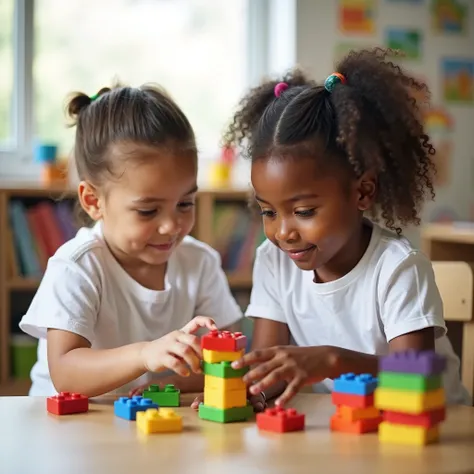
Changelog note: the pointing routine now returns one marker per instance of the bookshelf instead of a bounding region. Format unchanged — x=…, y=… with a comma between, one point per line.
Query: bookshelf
x=207, y=229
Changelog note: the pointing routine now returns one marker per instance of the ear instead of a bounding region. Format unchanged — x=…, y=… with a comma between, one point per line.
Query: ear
x=90, y=200
x=366, y=190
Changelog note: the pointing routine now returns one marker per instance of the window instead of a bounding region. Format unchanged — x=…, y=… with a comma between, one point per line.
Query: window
x=196, y=49
x=6, y=76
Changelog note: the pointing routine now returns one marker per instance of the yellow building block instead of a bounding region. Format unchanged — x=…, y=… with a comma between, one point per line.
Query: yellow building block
x=214, y=357
x=219, y=383
x=224, y=399
x=161, y=420
x=406, y=434
x=409, y=402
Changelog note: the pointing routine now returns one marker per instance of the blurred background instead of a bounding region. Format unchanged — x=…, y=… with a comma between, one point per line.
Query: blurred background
x=206, y=53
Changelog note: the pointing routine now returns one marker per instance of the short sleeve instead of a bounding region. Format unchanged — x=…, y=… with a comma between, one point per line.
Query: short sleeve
x=411, y=300
x=214, y=297
x=264, y=299
x=67, y=299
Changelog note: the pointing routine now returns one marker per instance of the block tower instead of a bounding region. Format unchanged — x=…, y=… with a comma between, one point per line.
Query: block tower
x=353, y=396
x=412, y=397
x=225, y=393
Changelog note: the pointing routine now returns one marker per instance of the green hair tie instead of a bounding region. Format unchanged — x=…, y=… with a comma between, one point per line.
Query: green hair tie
x=94, y=97
x=332, y=80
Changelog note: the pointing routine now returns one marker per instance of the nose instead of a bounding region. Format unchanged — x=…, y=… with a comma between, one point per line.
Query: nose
x=285, y=231
x=170, y=225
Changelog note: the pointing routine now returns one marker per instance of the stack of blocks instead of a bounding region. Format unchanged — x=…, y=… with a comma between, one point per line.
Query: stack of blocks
x=225, y=393
x=353, y=396
x=412, y=398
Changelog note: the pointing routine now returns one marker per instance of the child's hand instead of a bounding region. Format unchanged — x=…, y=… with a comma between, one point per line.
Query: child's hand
x=177, y=350
x=257, y=401
x=298, y=366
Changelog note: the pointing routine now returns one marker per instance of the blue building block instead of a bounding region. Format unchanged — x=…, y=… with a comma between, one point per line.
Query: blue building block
x=127, y=408
x=363, y=384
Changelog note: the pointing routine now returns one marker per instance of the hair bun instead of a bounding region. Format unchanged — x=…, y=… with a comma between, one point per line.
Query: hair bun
x=78, y=102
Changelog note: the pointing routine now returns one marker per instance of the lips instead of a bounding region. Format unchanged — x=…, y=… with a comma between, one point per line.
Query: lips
x=163, y=247
x=299, y=254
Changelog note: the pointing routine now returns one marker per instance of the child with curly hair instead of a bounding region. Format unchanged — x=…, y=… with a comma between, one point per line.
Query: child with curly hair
x=341, y=288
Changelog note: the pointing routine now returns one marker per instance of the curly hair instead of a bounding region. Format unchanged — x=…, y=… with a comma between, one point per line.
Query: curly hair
x=374, y=121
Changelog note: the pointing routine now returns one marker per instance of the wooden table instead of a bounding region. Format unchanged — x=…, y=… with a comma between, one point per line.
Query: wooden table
x=33, y=441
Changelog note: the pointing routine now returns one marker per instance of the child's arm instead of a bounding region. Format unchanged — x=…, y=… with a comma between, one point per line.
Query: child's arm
x=76, y=367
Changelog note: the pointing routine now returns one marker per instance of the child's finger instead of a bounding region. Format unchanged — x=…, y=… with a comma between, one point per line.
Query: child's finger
x=291, y=390
x=258, y=403
x=173, y=363
x=187, y=354
x=199, y=322
x=277, y=374
x=191, y=341
x=260, y=371
x=197, y=401
x=254, y=357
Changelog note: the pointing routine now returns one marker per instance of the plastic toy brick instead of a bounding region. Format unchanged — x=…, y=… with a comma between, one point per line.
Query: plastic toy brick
x=352, y=415
x=405, y=434
x=363, y=384
x=413, y=362
x=224, y=341
x=368, y=425
x=163, y=397
x=411, y=382
x=220, y=399
x=161, y=420
x=219, y=383
x=223, y=370
x=219, y=356
x=280, y=420
x=230, y=415
x=66, y=403
x=427, y=419
x=409, y=402
x=128, y=408
x=351, y=400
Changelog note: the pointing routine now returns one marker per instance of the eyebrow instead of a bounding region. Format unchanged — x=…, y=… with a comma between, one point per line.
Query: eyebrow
x=298, y=197
x=151, y=200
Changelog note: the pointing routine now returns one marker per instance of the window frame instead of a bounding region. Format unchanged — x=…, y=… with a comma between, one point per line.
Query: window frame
x=17, y=162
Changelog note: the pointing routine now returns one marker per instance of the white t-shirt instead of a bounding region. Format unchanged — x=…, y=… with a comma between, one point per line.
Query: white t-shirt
x=85, y=291
x=390, y=292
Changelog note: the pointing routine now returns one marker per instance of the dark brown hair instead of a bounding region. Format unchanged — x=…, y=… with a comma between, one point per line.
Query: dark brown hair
x=145, y=116
x=373, y=121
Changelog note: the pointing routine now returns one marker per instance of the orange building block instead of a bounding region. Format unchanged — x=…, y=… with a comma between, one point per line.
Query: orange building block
x=354, y=401
x=351, y=414
x=367, y=425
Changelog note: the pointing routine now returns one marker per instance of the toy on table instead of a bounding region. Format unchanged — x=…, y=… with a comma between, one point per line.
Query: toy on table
x=53, y=170
x=354, y=397
x=225, y=393
x=159, y=420
x=280, y=420
x=221, y=170
x=66, y=403
x=412, y=397
x=128, y=408
x=169, y=396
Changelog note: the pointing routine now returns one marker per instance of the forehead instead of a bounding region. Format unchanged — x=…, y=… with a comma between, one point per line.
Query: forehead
x=156, y=173
x=276, y=180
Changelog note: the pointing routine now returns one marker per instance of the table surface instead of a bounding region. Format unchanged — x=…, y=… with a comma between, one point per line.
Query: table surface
x=34, y=441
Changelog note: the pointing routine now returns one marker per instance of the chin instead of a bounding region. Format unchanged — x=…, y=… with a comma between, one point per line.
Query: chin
x=307, y=266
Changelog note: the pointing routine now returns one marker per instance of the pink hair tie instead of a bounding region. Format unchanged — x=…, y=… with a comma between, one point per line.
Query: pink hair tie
x=279, y=88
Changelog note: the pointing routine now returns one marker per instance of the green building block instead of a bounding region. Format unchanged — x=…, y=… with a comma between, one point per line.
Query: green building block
x=165, y=397
x=223, y=370
x=228, y=415
x=411, y=382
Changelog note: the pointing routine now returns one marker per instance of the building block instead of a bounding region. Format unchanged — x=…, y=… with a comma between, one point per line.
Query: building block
x=219, y=383
x=66, y=403
x=159, y=420
x=409, y=402
x=229, y=415
x=164, y=397
x=427, y=419
x=352, y=415
x=413, y=362
x=280, y=420
x=411, y=382
x=223, y=370
x=128, y=408
x=213, y=357
x=405, y=434
x=351, y=400
x=367, y=425
x=224, y=399
x=225, y=341
x=363, y=384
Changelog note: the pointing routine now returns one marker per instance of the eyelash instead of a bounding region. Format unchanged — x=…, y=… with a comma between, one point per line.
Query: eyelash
x=183, y=206
x=305, y=213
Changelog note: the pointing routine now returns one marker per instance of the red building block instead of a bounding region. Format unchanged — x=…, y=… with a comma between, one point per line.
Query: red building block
x=354, y=401
x=280, y=420
x=224, y=341
x=427, y=419
x=357, y=427
x=67, y=404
